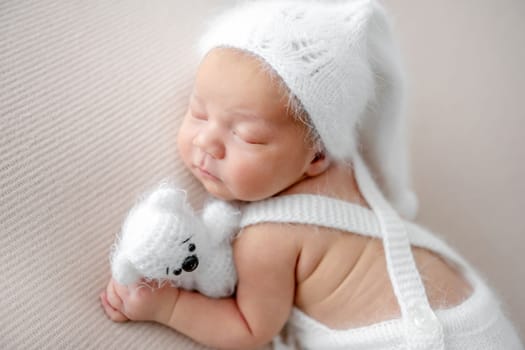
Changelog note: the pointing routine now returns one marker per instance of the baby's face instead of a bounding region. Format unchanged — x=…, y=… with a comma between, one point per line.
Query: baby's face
x=237, y=137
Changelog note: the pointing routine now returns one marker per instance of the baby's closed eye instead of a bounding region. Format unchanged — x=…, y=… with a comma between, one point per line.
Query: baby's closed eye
x=251, y=133
x=199, y=116
x=248, y=137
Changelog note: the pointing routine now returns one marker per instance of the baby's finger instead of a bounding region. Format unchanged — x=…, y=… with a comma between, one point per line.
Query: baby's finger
x=121, y=290
x=113, y=296
x=113, y=314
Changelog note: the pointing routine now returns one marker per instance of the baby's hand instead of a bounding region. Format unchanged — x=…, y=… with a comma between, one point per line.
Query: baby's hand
x=142, y=302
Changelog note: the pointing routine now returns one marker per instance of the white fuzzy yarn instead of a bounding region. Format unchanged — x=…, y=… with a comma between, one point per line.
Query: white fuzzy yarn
x=339, y=59
x=163, y=239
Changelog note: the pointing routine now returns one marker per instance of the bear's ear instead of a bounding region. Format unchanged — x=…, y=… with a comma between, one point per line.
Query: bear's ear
x=123, y=271
x=221, y=219
x=167, y=197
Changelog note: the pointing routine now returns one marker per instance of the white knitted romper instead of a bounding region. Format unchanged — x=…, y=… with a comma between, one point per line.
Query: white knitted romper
x=478, y=323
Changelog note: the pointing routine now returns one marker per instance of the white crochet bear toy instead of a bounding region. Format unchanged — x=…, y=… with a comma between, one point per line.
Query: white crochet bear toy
x=163, y=239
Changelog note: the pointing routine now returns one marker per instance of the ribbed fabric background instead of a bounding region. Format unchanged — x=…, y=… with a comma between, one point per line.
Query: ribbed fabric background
x=90, y=97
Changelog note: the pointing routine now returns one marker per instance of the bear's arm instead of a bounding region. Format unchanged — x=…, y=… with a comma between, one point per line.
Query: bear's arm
x=265, y=258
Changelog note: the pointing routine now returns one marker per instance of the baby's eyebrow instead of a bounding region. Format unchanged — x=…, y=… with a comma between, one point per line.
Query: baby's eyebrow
x=186, y=240
x=246, y=113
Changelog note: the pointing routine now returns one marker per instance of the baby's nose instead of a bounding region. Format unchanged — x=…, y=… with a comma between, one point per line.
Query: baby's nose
x=209, y=142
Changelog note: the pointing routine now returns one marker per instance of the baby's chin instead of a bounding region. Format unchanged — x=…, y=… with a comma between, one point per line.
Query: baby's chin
x=218, y=191
x=225, y=194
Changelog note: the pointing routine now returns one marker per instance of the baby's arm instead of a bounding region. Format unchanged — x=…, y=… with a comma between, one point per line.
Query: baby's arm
x=264, y=298
x=265, y=258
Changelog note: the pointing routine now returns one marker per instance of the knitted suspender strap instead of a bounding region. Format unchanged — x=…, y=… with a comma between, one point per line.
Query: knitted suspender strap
x=312, y=210
x=423, y=329
x=330, y=212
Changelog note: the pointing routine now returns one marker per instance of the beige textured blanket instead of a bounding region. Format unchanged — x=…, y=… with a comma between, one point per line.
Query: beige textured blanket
x=91, y=93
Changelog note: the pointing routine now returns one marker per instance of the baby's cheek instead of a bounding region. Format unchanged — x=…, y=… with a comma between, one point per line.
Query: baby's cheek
x=185, y=155
x=251, y=182
x=184, y=140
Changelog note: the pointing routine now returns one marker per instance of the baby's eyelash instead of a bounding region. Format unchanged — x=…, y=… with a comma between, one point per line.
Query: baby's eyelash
x=246, y=140
x=199, y=116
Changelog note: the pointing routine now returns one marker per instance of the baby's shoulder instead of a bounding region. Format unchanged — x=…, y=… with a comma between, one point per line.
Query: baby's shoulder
x=268, y=236
x=265, y=247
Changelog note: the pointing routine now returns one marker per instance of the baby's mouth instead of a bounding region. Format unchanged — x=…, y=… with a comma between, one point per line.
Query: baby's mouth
x=202, y=170
x=206, y=174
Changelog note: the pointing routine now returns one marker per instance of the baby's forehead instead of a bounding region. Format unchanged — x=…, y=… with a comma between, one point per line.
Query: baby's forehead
x=234, y=80
x=233, y=65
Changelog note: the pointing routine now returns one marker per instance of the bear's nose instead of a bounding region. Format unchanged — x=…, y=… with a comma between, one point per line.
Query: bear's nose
x=190, y=263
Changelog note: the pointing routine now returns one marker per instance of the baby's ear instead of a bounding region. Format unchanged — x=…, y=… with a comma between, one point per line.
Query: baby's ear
x=319, y=164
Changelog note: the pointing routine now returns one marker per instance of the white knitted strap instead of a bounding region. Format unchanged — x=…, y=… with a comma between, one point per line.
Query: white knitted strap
x=330, y=212
x=424, y=331
x=312, y=210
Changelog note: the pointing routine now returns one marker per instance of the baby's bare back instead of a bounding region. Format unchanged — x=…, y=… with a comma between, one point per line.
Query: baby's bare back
x=342, y=279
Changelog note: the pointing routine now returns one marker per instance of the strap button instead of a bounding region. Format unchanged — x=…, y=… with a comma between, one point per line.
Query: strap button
x=424, y=319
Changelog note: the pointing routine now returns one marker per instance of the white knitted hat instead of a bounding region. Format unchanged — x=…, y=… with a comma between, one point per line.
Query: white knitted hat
x=339, y=60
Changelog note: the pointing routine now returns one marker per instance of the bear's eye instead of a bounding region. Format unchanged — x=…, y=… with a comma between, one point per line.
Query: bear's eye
x=191, y=247
x=177, y=272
